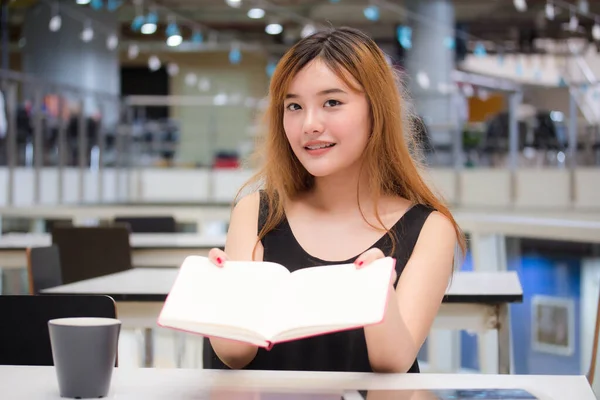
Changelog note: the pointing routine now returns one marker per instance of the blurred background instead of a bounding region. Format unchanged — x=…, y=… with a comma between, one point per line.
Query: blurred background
x=157, y=103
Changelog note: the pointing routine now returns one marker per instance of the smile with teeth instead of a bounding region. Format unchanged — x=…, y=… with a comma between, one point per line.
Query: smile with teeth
x=319, y=146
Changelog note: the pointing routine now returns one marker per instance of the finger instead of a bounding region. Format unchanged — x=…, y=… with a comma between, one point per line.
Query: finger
x=217, y=257
x=368, y=257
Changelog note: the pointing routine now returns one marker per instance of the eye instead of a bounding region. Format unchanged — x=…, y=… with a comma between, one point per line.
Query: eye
x=332, y=103
x=292, y=107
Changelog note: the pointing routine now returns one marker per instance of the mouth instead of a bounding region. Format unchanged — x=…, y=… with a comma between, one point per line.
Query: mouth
x=319, y=146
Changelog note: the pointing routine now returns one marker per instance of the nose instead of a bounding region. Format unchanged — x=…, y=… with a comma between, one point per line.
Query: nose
x=312, y=122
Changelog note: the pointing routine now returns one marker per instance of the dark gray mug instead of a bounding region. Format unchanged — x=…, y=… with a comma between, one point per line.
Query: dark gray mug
x=84, y=352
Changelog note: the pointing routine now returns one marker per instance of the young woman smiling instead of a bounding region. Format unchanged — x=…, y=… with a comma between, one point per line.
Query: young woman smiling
x=340, y=184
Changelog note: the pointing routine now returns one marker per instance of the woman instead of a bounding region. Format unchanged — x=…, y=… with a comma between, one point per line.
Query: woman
x=340, y=185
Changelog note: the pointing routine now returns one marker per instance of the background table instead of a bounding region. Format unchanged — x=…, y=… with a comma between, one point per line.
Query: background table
x=148, y=249
x=475, y=301
x=148, y=383
x=199, y=214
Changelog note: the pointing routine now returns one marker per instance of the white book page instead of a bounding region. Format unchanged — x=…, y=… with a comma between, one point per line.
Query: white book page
x=235, y=295
x=327, y=298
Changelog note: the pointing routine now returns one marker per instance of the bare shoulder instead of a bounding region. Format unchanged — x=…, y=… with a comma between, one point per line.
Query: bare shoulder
x=438, y=237
x=248, y=204
x=243, y=229
x=440, y=223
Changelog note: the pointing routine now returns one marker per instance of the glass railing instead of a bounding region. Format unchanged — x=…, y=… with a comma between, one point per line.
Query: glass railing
x=78, y=134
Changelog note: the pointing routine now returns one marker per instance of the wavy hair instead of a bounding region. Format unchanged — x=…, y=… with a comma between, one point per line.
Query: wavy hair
x=347, y=52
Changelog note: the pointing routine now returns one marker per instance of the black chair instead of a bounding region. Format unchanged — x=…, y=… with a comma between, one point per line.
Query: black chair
x=90, y=252
x=24, y=333
x=43, y=268
x=51, y=223
x=164, y=224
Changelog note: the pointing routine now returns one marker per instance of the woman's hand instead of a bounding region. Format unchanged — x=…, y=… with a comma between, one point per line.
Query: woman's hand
x=217, y=256
x=232, y=353
x=368, y=257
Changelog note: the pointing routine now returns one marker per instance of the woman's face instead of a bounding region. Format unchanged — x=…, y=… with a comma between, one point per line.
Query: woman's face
x=325, y=121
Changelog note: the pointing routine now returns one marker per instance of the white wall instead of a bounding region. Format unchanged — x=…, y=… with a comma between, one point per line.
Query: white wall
x=543, y=189
x=207, y=129
x=485, y=188
x=172, y=185
x=586, y=182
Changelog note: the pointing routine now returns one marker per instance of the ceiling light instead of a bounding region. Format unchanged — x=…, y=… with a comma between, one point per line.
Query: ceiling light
x=96, y=4
x=55, y=23
x=172, y=69
x=191, y=79
x=148, y=29
x=154, y=63
x=371, y=13
x=274, y=29
x=149, y=26
x=220, y=99
x=173, y=35
x=137, y=22
x=423, y=80
x=83, y=2
x=550, y=12
x=234, y=3
x=197, y=37
x=480, y=50
x=235, y=55
x=174, y=41
x=596, y=31
x=308, y=30
x=483, y=94
x=133, y=51
x=256, y=13
x=573, y=23
x=468, y=90
x=204, y=85
x=112, y=41
x=443, y=88
x=520, y=5
x=88, y=33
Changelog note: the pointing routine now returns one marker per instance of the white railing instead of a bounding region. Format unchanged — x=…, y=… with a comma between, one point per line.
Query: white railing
x=584, y=92
x=537, y=189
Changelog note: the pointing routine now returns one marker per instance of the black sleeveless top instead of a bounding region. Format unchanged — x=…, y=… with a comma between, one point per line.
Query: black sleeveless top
x=341, y=351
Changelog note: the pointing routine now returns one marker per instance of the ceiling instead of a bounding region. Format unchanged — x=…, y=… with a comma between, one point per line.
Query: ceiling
x=496, y=21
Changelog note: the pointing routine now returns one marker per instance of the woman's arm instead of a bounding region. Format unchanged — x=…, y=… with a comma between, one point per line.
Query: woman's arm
x=241, y=238
x=393, y=345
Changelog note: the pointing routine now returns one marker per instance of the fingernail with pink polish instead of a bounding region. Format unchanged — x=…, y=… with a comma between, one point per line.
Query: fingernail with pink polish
x=219, y=261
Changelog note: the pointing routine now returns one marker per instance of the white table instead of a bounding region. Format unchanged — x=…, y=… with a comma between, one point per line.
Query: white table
x=148, y=249
x=542, y=224
x=195, y=213
x=474, y=301
x=20, y=382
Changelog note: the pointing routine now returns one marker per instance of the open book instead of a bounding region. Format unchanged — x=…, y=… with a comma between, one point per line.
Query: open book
x=262, y=303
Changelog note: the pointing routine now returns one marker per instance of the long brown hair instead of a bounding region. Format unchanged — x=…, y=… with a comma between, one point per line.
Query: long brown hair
x=391, y=158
